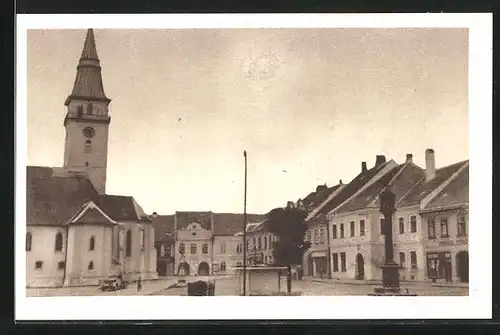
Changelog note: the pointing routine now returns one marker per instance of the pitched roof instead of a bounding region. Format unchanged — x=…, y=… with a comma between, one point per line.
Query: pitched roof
x=224, y=224
x=231, y=224
x=54, y=200
x=88, y=81
x=314, y=199
x=164, y=226
x=350, y=189
x=121, y=208
x=423, y=188
x=183, y=219
x=456, y=193
x=401, y=179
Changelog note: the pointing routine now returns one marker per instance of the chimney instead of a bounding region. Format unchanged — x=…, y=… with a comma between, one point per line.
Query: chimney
x=340, y=182
x=430, y=164
x=379, y=159
x=409, y=158
x=321, y=188
x=363, y=167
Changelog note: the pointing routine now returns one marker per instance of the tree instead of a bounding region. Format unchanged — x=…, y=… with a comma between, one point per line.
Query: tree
x=289, y=225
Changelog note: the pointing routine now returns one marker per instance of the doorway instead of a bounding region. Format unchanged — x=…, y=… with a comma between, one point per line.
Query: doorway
x=183, y=269
x=360, y=267
x=203, y=269
x=463, y=266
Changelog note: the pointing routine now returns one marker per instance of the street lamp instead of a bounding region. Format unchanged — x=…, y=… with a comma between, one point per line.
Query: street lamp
x=245, y=229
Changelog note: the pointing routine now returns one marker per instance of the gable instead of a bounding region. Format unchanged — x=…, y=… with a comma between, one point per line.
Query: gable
x=454, y=194
x=91, y=214
x=425, y=187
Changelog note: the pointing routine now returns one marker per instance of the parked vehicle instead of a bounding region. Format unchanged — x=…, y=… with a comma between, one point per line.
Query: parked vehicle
x=113, y=283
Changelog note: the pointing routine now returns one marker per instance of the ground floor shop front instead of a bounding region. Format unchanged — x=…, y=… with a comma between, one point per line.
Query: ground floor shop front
x=448, y=265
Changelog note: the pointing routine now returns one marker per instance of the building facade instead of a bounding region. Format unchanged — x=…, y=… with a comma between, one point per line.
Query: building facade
x=202, y=243
x=164, y=243
x=316, y=260
x=260, y=244
x=358, y=243
x=76, y=234
x=429, y=226
x=439, y=203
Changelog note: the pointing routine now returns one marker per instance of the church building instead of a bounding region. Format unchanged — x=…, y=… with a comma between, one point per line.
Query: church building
x=76, y=234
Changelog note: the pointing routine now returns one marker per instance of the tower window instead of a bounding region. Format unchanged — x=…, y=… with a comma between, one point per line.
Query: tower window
x=61, y=265
x=79, y=111
x=91, y=266
x=86, y=163
x=88, y=146
x=89, y=108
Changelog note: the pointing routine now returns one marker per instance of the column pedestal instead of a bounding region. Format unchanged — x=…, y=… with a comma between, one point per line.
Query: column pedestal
x=390, y=279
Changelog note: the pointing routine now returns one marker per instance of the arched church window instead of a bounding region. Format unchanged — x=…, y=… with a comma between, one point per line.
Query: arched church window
x=28, y=241
x=142, y=238
x=128, y=247
x=59, y=242
x=91, y=265
x=92, y=243
x=88, y=146
x=90, y=107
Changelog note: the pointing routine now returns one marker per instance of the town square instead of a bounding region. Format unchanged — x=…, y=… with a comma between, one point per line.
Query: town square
x=259, y=165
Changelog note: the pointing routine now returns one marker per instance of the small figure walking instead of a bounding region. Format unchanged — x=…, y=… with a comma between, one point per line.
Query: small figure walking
x=139, y=284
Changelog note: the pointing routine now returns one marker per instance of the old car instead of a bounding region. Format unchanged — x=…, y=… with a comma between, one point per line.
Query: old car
x=113, y=283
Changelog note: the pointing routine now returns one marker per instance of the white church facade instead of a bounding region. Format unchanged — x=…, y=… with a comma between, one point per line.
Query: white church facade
x=76, y=234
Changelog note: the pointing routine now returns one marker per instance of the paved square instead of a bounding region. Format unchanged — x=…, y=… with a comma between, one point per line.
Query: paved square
x=229, y=287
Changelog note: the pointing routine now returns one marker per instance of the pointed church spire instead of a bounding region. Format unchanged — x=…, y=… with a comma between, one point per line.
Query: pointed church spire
x=88, y=82
x=89, y=50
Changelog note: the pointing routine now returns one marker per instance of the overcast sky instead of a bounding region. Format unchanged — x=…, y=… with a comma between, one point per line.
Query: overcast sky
x=308, y=105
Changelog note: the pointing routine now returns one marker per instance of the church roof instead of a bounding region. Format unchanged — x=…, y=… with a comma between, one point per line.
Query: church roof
x=88, y=82
x=54, y=200
x=121, y=208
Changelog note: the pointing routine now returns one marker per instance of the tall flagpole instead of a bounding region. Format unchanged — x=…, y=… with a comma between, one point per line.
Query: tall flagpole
x=245, y=230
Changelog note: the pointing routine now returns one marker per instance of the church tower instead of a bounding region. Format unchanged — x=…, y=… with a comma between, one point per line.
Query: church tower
x=87, y=120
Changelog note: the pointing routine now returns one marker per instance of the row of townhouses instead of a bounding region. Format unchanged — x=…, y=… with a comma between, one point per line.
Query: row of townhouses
x=346, y=229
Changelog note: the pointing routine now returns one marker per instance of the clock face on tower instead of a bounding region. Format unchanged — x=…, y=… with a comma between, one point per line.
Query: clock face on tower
x=89, y=132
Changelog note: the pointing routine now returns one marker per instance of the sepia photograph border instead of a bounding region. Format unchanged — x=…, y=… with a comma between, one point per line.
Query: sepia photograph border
x=477, y=305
